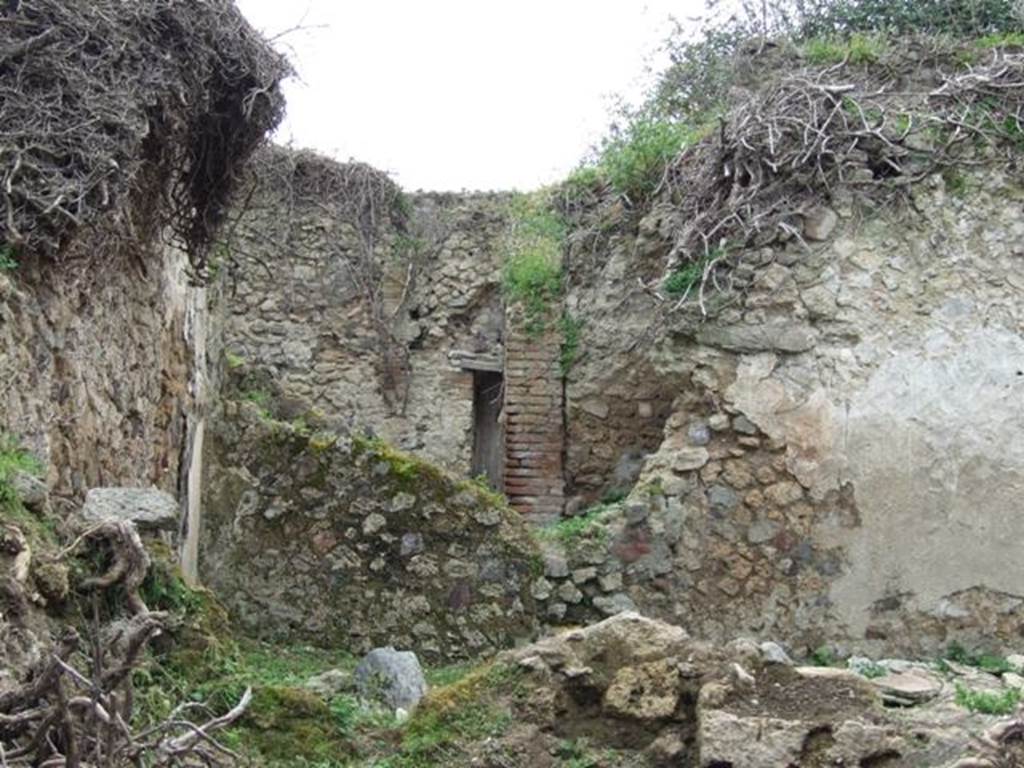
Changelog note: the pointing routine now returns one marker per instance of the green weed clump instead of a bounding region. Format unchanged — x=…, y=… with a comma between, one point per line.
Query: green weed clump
x=988, y=702
x=486, y=492
x=687, y=276
x=7, y=260
x=532, y=276
x=872, y=670
x=823, y=657
x=634, y=159
x=570, y=532
x=575, y=753
x=989, y=662
x=684, y=279
x=14, y=459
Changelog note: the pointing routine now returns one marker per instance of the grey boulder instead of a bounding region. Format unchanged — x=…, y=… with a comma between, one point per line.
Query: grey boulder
x=150, y=509
x=391, y=678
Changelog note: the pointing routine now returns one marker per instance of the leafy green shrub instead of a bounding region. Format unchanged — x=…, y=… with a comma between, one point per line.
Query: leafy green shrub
x=634, y=157
x=584, y=181
x=532, y=276
x=703, y=65
x=823, y=657
x=958, y=18
x=988, y=702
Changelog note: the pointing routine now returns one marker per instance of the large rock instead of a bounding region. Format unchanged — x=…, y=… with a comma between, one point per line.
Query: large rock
x=909, y=687
x=644, y=692
x=391, y=678
x=150, y=509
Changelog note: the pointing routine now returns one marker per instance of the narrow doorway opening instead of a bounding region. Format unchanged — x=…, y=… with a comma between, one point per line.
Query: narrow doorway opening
x=488, y=430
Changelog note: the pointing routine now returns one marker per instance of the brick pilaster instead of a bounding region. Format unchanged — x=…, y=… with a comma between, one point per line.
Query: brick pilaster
x=534, y=430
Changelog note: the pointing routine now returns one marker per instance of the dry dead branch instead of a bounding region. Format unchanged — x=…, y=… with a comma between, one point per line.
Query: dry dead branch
x=811, y=134
x=99, y=121
x=75, y=708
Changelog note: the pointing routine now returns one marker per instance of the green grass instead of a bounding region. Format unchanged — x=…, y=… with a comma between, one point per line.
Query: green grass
x=286, y=724
x=1001, y=40
x=857, y=49
x=988, y=702
x=462, y=714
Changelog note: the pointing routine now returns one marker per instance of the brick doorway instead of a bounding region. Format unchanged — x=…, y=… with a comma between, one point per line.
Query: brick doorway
x=488, y=429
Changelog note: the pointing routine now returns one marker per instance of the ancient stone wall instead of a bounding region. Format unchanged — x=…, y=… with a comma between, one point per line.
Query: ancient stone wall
x=843, y=460
x=351, y=544
x=95, y=366
x=300, y=303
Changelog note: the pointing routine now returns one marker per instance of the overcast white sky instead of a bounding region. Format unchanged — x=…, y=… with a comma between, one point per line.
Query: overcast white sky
x=461, y=94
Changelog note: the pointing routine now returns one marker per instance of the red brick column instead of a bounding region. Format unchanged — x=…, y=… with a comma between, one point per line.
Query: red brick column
x=534, y=429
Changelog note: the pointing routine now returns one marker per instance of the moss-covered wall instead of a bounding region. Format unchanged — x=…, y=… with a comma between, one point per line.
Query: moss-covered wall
x=349, y=543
